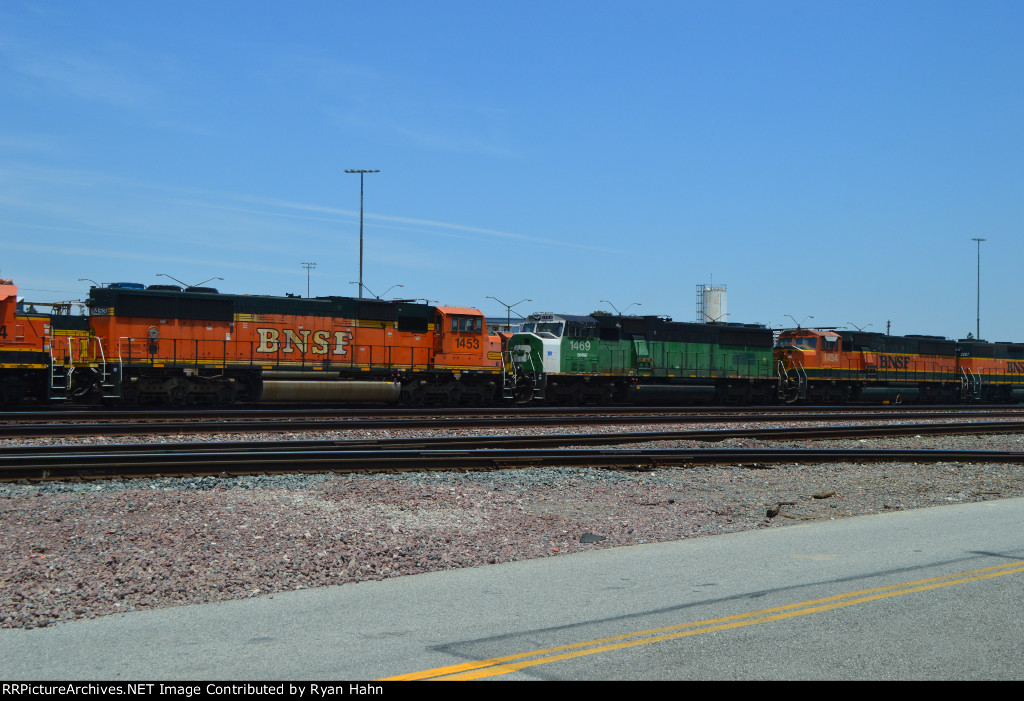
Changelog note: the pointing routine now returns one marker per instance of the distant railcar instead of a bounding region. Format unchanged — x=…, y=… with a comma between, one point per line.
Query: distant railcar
x=578, y=359
x=40, y=353
x=201, y=347
x=839, y=366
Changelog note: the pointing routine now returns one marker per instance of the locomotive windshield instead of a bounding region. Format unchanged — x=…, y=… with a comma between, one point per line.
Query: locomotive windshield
x=552, y=328
x=808, y=342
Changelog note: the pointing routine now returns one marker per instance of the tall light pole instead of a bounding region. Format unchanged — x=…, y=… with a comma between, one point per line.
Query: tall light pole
x=308, y=267
x=799, y=322
x=978, y=329
x=634, y=304
x=185, y=284
x=371, y=291
x=508, y=307
x=361, y=172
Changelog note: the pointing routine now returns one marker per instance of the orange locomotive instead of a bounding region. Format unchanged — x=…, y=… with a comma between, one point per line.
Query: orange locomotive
x=165, y=345
x=40, y=353
x=820, y=365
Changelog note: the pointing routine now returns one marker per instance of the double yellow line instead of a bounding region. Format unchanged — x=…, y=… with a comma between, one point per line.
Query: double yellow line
x=511, y=663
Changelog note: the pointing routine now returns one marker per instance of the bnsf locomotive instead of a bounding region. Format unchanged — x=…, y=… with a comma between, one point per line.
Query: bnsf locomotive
x=572, y=359
x=839, y=366
x=38, y=352
x=165, y=345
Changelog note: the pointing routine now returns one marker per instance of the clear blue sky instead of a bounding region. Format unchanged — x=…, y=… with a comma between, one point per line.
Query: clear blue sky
x=825, y=159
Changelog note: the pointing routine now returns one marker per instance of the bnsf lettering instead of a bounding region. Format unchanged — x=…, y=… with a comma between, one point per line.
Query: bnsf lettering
x=318, y=342
x=301, y=342
x=894, y=362
x=1015, y=368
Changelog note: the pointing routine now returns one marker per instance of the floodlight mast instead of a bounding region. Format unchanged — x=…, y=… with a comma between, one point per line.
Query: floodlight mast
x=361, y=172
x=978, y=329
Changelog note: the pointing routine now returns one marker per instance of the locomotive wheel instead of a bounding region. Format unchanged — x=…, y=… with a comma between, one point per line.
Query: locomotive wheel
x=523, y=392
x=85, y=386
x=454, y=395
x=790, y=392
x=417, y=397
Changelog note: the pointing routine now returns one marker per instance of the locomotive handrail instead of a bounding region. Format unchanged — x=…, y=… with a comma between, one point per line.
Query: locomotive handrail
x=205, y=353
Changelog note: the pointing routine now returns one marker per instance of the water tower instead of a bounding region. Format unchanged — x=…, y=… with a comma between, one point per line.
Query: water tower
x=711, y=304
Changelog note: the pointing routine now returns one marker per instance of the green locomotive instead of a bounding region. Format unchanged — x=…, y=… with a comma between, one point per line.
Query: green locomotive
x=565, y=359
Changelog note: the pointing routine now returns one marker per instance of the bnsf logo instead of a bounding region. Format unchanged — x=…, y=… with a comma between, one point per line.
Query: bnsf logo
x=1015, y=368
x=319, y=342
x=894, y=362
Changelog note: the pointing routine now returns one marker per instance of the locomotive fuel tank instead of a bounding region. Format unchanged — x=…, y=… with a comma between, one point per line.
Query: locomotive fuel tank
x=329, y=391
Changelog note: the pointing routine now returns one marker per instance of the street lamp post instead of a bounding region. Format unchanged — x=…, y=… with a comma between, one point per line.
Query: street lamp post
x=361, y=172
x=799, y=322
x=978, y=329
x=622, y=313
x=508, y=307
x=185, y=284
x=308, y=267
x=362, y=286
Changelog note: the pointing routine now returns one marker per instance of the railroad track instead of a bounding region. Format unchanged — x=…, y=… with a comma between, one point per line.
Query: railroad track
x=249, y=462
x=477, y=452
x=44, y=428
x=267, y=412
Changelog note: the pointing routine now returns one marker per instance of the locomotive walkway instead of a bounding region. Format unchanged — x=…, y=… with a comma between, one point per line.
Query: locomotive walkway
x=926, y=594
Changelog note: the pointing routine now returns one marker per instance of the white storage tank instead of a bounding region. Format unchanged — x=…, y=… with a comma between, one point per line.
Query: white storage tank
x=711, y=304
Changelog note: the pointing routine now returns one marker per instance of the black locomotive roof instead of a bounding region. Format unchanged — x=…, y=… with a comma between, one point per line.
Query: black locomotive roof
x=970, y=347
x=878, y=342
x=656, y=328
x=551, y=316
x=171, y=304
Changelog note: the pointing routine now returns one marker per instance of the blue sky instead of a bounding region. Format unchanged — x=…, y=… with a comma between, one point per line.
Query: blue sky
x=821, y=159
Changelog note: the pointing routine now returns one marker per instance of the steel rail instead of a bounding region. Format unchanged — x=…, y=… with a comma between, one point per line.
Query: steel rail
x=16, y=430
x=471, y=452
x=540, y=440
x=248, y=462
x=439, y=413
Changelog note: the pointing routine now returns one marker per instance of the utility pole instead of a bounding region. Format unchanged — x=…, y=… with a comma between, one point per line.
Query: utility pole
x=508, y=307
x=361, y=172
x=308, y=267
x=978, y=329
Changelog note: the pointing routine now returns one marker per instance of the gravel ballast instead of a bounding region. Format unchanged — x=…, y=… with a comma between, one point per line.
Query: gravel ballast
x=71, y=550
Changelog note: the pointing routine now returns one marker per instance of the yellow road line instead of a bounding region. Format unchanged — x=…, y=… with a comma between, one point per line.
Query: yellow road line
x=510, y=663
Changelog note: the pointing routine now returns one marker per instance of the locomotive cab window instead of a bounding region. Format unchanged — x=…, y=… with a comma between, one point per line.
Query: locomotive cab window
x=804, y=342
x=467, y=324
x=548, y=329
x=555, y=329
x=830, y=343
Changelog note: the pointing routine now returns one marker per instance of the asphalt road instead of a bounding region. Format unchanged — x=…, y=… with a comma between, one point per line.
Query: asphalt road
x=927, y=594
